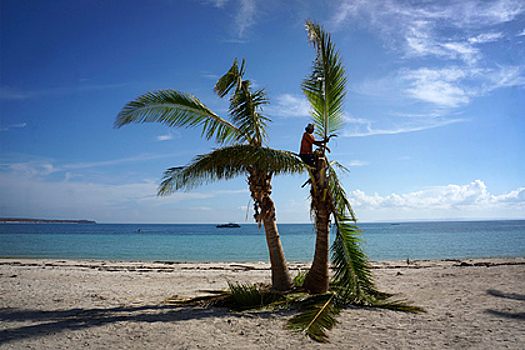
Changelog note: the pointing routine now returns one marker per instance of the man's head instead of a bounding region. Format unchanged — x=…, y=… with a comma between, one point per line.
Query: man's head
x=310, y=128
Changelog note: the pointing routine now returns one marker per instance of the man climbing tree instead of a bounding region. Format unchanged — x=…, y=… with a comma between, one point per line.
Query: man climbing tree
x=307, y=143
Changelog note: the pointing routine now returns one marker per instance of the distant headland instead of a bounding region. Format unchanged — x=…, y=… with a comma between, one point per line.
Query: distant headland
x=42, y=221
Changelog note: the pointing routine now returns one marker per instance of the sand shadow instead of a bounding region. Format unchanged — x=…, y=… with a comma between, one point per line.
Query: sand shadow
x=514, y=296
x=506, y=314
x=49, y=322
x=510, y=315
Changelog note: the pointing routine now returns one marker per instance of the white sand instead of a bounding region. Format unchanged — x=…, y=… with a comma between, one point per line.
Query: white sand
x=58, y=304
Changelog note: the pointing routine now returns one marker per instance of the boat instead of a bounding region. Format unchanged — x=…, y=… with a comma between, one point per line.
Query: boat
x=228, y=225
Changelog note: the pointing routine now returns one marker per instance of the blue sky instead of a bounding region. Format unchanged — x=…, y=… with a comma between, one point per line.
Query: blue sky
x=435, y=108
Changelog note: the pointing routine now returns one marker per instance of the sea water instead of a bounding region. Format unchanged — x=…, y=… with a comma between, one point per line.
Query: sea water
x=205, y=242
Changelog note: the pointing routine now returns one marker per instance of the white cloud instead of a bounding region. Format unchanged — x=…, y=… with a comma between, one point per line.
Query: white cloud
x=43, y=168
x=471, y=197
x=13, y=94
x=357, y=163
x=12, y=126
x=444, y=89
x=360, y=127
x=243, y=13
x=30, y=195
x=246, y=16
x=485, y=38
x=424, y=28
x=168, y=136
x=440, y=87
x=165, y=137
x=289, y=105
x=218, y=3
x=443, y=43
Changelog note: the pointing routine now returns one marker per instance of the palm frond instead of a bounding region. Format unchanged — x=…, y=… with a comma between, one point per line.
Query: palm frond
x=231, y=80
x=227, y=163
x=353, y=280
x=178, y=109
x=245, y=108
x=245, y=104
x=352, y=271
x=246, y=296
x=316, y=319
x=325, y=86
x=298, y=280
x=341, y=204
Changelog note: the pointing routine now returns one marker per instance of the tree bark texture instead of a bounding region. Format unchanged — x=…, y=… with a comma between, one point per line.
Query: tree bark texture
x=260, y=188
x=318, y=278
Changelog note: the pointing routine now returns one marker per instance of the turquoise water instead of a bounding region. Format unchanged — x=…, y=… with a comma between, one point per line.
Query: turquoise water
x=382, y=241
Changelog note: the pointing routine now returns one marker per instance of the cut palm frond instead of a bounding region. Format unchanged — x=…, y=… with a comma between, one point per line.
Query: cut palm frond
x=318, y=318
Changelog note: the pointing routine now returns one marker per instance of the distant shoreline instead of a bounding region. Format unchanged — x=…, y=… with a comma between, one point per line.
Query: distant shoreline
x=42, y=221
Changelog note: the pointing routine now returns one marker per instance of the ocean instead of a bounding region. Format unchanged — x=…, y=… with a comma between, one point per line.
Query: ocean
x=206, y=243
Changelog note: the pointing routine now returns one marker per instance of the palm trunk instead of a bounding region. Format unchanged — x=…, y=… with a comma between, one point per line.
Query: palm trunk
x=318, y=279
x=265, y=213
x=281, y=279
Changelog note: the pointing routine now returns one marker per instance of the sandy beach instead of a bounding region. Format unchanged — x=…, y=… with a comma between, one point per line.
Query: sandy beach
x=73, y=304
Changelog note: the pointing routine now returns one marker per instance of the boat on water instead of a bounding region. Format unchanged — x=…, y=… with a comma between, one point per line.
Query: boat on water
x=228, y=225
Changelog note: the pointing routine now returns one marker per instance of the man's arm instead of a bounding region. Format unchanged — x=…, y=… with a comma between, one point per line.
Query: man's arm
x=323, y=143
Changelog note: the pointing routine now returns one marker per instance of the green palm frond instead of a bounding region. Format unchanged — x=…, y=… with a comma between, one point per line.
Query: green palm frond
x=246, y=296
x=231, y=80
x=353, y=278
x=244, y=111
x=341, y=203
x=245, y=104
x=353, y=281
x=227, y=163
x=318, y=318
x=325, y=86
x=352, y=271
x=178, y=109
x=298, y=280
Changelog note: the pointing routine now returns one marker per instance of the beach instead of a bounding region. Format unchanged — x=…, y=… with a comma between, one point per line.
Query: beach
x=83, y=304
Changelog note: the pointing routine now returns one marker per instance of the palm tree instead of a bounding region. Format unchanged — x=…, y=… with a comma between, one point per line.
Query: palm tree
x=352, y=282
x=325, y=89
x=243, y=149
x=318, y=298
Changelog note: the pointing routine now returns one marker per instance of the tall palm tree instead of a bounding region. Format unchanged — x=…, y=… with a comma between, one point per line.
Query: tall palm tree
x=325, y=89
x=352, y=282
x=243, y=149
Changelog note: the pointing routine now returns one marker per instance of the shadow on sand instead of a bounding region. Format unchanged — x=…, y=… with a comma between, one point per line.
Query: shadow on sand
x=505, y=314
x=50, y=322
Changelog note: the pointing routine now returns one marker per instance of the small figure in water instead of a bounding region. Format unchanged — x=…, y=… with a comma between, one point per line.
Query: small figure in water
x=307, y=145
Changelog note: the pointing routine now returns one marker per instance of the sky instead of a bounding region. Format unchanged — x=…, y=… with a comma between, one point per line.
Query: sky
x=434, y=112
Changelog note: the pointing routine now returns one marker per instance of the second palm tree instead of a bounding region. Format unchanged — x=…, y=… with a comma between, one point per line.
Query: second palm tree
x=243, y=150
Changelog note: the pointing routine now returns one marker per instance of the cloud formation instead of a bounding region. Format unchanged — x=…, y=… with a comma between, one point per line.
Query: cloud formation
x=244, y=12
x=12, y=126
x=289, y=106
x=473, y=196
x=453, y=47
